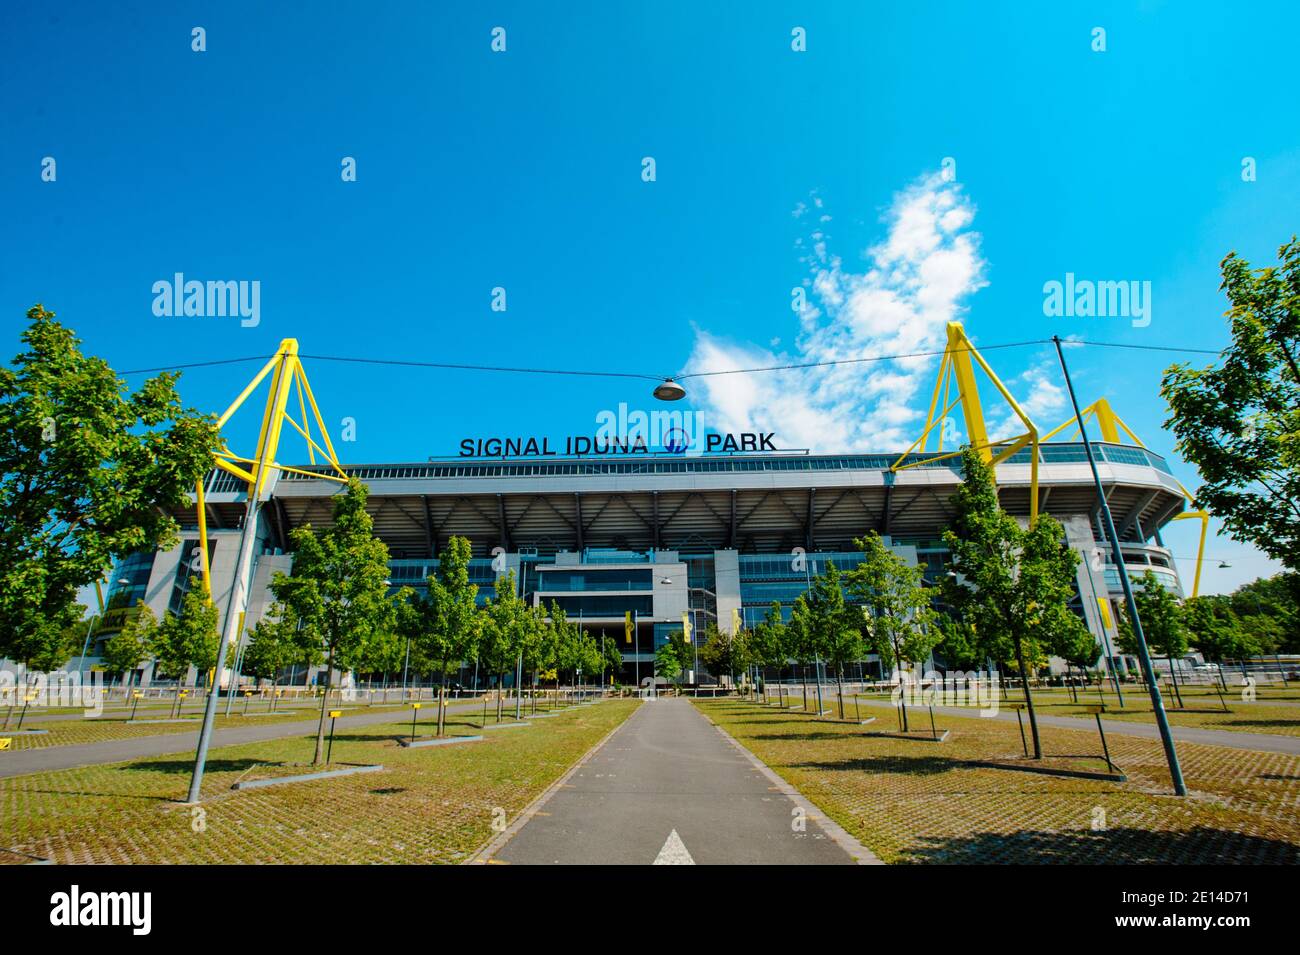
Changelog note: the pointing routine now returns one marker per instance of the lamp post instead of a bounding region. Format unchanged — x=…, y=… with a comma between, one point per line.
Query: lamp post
x=1108, y=522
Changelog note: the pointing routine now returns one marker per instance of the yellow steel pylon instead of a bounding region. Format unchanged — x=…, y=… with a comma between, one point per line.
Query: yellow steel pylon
x=287, y=372
x=957, y=370
x=1111, y=425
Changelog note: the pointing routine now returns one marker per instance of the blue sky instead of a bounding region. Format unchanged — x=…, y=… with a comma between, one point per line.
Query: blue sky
x=523, y=170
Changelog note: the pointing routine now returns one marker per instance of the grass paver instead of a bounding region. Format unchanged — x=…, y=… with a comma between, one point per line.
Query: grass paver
x=428, y=805
x=915, y=803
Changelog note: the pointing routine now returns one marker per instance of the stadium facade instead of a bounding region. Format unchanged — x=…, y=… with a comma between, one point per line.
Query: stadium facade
x=659, y=535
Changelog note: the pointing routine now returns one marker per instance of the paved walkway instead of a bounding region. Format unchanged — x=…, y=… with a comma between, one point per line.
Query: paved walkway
x=50, y=758
x=667, y=787
x=1256, y=742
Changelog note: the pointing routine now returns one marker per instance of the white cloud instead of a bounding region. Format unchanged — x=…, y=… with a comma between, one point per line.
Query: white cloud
x=1041, y=395
x=912, y=283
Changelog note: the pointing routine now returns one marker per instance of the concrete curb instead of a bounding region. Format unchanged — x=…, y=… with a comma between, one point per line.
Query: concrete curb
x=837, y=833
x=330, y=774
x=506, y=726
x=448, y=741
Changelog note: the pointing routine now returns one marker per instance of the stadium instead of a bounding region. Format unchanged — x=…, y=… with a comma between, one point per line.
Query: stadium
x=629, y=534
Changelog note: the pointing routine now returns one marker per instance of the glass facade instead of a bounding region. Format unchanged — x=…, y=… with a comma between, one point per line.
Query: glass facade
x=128, y=583
x=587, y=579
x=604, y=606
x=415, y=573
x=764, y=579
x=188, y=568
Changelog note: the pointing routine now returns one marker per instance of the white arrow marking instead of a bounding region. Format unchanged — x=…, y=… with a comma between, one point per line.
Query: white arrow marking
x=674, y=852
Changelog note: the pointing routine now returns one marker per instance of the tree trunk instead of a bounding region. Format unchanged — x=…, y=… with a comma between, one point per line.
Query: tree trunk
x=902, y=697
x=442, y=703
x=501, y=693
x=1173, y=677
x=324, y=706
x=1029, y=699
x=839, y=683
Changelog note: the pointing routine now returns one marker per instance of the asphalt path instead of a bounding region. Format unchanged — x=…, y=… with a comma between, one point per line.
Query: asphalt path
x=1256, y=742
x=41, y=760
x=667, y=787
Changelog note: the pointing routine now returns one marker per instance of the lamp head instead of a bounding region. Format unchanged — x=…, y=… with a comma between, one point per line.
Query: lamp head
x=669, y=390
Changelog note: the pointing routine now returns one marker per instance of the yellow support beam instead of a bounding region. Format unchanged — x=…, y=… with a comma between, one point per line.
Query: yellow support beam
x=961, y=350
x=957, y=368
x=1110, y=425
x=287, y=373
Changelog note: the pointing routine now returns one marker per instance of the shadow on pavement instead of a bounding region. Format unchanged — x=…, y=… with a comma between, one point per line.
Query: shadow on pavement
x=1114, y=846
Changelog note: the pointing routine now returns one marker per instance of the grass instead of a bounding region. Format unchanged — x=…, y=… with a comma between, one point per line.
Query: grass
x=64, y=732
x=914, y=802
x=1275, y=712
x=433, y=805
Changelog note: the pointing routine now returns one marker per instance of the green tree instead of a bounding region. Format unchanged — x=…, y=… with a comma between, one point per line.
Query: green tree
x=1071, y=640
x=590, y=659
x=337, y=589
x=443, y=623
x=721, y=652
x=47, y=646
x=1270, y=607
x=1012, y=583
x=1162, y=624
x=959, y=645
x=565, y=644
x=537, y=646
x=132, y=645
x=1215, y=631
x=768, y=641
x=612, y=658
x=1238, y=421
x=90, y=471
x=801, y=641
x=380, y=652
x=187, y=638
x=305, y=642
x=899, y=622
x=668, y=662
x=270, y=649
x=836, y=626
x=503, y=628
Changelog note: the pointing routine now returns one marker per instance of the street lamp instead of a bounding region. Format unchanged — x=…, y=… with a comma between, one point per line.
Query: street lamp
x=669, y=390
x=1108, y=525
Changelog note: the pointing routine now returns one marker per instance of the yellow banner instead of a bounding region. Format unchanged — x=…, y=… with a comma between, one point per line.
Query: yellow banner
x=628, y=627
x=1104, y=607
x=686, y=625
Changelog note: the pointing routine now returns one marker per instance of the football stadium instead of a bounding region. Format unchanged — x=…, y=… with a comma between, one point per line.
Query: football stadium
x=636, y=543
